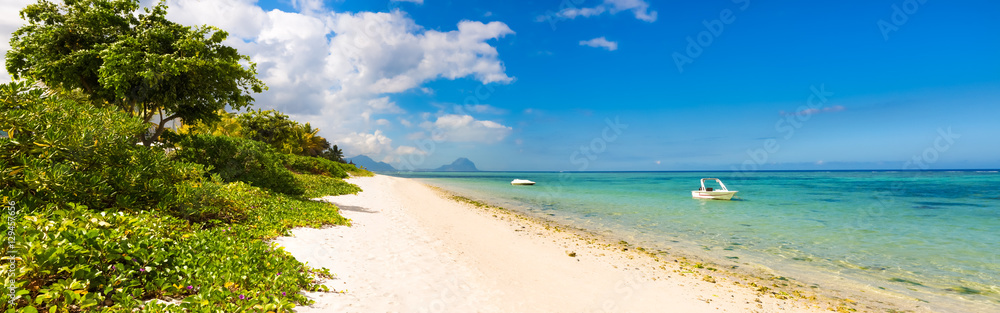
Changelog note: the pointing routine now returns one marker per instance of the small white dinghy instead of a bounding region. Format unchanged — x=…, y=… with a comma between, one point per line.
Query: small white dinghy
x=709, y=193
x=522, y=182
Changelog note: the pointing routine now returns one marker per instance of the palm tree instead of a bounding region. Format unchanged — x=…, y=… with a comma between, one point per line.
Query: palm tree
x=333, y=154
x=312, y=143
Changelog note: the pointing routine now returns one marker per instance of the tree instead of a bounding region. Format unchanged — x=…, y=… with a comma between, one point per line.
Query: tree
x=311, y=143
x=227, y=125
x=271, y=127
x=333, y=154
x=142, y=63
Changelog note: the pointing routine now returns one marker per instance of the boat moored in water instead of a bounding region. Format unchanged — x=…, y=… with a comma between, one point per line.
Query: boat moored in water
x=713, y=194
x=522, y=182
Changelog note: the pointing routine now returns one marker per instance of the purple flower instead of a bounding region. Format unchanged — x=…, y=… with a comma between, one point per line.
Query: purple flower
x=190, y=287
x=282, y=293
x=142, y=269
x=112, y=267
x=279, y=273
x=242, y=297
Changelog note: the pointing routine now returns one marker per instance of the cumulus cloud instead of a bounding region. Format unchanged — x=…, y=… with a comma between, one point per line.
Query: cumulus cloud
x=465, y=128
x=600, y=42
x=375, y=143
x=338, y=70
x=10, y=20
x=639, y=8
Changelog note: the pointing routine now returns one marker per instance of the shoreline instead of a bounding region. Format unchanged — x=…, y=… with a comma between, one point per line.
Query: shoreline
x=491, y=259
x=759, y=278
x=852, y=285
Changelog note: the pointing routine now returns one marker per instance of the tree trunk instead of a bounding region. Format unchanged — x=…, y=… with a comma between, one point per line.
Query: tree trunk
x=159, y=130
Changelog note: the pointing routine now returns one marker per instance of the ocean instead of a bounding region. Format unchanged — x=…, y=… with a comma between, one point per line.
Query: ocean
x=930, y=235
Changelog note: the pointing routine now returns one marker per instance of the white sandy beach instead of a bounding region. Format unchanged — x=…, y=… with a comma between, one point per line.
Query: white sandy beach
x=411, y=249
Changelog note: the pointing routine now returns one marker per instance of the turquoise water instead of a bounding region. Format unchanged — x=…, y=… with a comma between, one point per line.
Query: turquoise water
x=932, y=235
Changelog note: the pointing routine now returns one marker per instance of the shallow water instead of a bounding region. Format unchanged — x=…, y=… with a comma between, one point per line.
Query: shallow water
x=934, y=235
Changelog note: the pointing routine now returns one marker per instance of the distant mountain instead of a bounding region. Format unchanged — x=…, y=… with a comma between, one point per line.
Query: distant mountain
x=371, y=165
x=460, y=165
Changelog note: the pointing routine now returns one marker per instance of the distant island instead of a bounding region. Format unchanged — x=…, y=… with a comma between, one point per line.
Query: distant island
x=460, y=165
x=372, y=165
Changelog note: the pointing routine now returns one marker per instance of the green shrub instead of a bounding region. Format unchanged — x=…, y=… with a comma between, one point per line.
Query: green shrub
x=62, y=151
x=215, y=202
x=354, y=170
x=238, y=159
x=77, y=259
x=322, y=186
x=314, y=165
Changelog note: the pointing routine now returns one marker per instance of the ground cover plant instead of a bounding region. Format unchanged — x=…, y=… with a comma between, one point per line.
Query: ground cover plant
x=104, y=224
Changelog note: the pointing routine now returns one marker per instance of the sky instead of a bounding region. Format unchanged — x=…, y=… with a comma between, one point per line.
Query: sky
x=626, y=85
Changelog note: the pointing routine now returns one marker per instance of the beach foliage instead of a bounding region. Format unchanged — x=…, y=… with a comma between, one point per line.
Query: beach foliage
x=238, y=159
x=321, y=186
x=104, y=224
x=314, y=165
x=137, y=61
x=64, y=151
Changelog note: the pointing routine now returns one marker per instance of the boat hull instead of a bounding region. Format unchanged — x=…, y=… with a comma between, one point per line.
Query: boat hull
x=522, y=182
x=713, y=195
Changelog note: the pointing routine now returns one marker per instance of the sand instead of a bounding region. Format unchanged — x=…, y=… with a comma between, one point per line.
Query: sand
x=413, y=249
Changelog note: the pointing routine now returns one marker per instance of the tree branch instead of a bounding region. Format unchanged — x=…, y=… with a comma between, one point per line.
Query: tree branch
x=160, y=128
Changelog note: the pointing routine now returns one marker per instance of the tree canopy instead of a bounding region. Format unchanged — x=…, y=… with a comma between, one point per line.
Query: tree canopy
x=141, y=63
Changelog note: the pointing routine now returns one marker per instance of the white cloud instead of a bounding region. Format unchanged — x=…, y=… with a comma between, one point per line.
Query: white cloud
x=414, y=1
x=600, y=42
x=405, y=122
x=465, y=128
x=811, y=111
x=416, y=136
x=639, y=8
x=572, y=13
x=483, y=108
x=307, y=5
x=374, y=144
x=382, y=122
x=407, y=150
x=338, y=70
x=10, y=21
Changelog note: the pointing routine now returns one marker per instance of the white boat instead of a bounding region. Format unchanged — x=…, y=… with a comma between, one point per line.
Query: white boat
x=522, y=182
x=710, y=193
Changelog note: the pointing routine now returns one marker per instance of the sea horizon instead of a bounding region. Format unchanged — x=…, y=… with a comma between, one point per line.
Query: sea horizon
x=711, y=171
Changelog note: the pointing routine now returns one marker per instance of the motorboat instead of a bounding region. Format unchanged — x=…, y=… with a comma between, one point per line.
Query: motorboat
x=714, y=194
x=522, y=182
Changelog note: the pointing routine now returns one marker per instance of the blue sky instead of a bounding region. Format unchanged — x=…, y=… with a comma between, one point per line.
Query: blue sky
x=536, y=85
